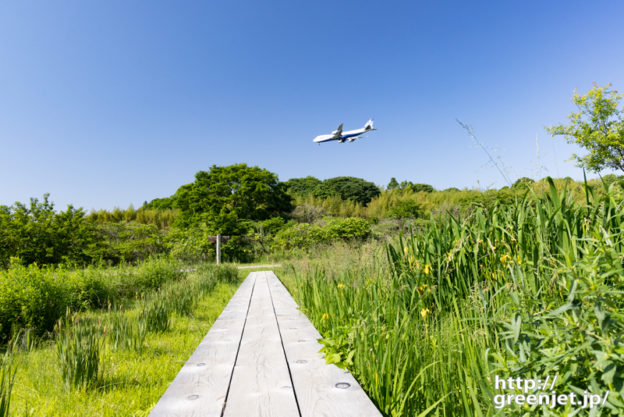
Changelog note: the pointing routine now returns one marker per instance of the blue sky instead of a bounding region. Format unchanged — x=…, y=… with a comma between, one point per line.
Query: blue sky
x=112, y=103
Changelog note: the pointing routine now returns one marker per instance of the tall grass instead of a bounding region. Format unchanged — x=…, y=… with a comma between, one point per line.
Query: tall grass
x=130, y=379
x=33, y=297
x=526, y=289
x=78, y=347
x=79, y=338
x=7, y=378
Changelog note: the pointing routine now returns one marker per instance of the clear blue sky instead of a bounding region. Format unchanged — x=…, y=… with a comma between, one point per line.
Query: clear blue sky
x=112, y=103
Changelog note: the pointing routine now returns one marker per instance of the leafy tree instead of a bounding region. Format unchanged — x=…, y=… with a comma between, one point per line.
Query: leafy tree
x=36, y=233
x=161, y=203
x=348, y=188
x=224, y=195
x=611, y=178
x=409, y=186
x=302, y=186
x=522, y=183
x=598, y=127
x=421, y=187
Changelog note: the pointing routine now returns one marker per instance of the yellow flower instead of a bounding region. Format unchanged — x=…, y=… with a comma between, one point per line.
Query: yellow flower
x=341, y=286
x=505, y=258
x=325, y=316
x=494, y=275
x=406, y=249
x=424, y=313
x=427, y=269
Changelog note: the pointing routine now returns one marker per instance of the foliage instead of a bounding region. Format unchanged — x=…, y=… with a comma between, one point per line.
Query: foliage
x=162, y=218
x=224, y=195
x=302, y=187
x=127, y=242
x=36, y=297
x=598, y=127
x=131, y=381
x=304, y=235
x=166, y=203
x=408, y=186
x=347, y=188
x=529, y=288
x=405, y=209
x=36, y=233
x=523, y=182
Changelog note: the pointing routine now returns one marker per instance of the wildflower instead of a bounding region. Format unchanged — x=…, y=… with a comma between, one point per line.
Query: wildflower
x=427, y=269
x=325, y=316
x=406, y=249
x=505, y=258
x=424, y=313
x=340, y=286
x=494, y=275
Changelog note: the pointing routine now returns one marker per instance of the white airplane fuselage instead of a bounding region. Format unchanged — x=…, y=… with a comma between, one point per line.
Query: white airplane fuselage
x=341, y=136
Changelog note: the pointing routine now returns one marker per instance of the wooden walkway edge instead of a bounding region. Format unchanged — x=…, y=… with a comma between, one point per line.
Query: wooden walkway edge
x=261, y=358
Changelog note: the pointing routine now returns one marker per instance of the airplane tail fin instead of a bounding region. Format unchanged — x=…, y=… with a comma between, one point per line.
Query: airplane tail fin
x=369, y=125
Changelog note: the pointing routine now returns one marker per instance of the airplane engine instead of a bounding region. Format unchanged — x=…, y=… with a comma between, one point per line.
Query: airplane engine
x=351, y=139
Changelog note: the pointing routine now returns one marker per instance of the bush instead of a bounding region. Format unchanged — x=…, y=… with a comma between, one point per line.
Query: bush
x=304, y=235
x=30, y=297
x=36, y=297
x=346, y=229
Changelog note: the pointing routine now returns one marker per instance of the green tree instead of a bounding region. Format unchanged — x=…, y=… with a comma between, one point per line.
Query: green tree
x=224, y=195
x=393, y=184
x=598, y=127
x=421, y=187
x=348, y=188
x=302, y=186
x=523, y=182
x=36, y=233
x=161, y=203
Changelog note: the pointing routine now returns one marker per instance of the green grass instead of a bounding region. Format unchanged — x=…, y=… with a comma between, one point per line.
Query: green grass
x=529, y=289
x=131, y=381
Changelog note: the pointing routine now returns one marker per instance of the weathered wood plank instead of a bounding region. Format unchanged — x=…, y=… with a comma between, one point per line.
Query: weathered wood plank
x=201, y=386
x=260, y=358
x=261, y=384
x=322, y=389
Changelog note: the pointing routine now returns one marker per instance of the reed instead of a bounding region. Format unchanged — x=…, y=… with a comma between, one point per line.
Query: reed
x=78, y=348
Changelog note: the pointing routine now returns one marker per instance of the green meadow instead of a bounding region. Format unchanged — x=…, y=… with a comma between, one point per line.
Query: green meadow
x=427, y=296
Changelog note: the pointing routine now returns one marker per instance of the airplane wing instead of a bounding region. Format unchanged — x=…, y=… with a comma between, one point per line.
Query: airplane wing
x=338, y=132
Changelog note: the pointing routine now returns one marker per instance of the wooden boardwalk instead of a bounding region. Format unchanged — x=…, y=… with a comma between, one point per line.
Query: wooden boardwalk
x=260, y=358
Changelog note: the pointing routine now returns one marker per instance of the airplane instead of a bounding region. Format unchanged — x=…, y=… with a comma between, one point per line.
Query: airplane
x=349, y=135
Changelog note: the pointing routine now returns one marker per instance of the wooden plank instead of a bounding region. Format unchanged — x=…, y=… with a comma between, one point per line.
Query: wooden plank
x=321, y=389
x=261, y=384
x=201, y=386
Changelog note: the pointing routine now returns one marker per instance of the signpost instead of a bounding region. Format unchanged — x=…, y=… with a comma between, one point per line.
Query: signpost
x=218, y=239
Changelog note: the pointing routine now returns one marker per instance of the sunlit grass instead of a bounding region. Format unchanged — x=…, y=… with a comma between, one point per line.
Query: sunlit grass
x=526, y=289
x=131, y=381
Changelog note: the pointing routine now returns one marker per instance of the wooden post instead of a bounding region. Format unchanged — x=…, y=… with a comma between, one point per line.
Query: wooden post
x=218, y=248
